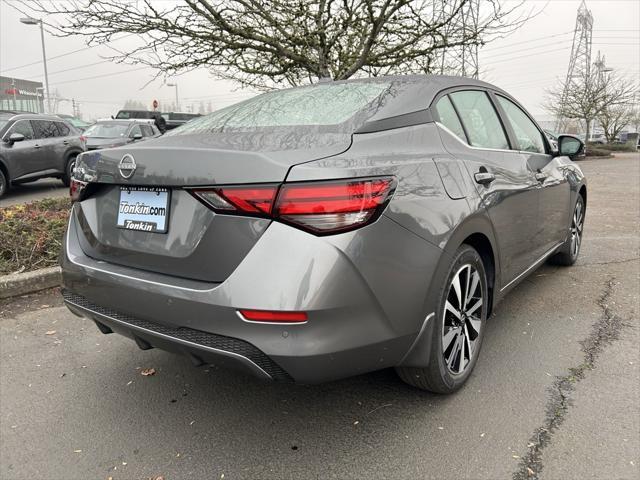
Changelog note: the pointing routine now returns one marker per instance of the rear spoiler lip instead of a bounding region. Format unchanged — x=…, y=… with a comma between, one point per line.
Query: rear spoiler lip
x=418, y=117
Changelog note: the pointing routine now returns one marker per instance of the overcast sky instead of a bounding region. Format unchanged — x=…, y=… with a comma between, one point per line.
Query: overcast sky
x=525, y=64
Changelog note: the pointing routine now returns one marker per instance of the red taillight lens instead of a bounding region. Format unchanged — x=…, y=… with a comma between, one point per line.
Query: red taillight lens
x=273, y=316
x=256, y=200
x=321, y=208
x=76, y=188
x=83, y=139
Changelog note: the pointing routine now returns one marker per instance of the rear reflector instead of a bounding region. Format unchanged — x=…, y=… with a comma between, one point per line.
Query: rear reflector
x=321, y=208
x=273, y=316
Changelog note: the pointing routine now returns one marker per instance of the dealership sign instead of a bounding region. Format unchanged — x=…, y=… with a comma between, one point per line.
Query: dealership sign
x=20, y=91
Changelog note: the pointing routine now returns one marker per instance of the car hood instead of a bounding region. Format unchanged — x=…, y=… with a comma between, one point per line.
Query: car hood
x=212, y=158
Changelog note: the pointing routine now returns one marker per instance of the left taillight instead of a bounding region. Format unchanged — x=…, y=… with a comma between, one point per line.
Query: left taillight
x=321, y=208
x=76, y=189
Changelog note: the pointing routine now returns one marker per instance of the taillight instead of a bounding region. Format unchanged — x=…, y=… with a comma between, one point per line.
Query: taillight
x=83, y=139
x=76, y=187
x=253, y=200
x=318, y=207
x=333, y=206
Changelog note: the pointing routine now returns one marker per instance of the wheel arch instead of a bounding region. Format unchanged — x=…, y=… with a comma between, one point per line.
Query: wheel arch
x=477, y=232
x=5, y=170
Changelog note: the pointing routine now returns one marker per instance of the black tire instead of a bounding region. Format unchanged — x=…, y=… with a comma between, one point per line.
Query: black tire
x=68, y=171
x=439, y=376
x=569, y=251
x=4, y=184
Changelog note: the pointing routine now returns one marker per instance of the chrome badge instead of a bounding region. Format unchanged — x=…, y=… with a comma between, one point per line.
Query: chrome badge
x=127, y=166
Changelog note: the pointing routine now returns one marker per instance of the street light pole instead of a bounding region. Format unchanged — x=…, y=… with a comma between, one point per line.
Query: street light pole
x=35, y=21
x=177, y=102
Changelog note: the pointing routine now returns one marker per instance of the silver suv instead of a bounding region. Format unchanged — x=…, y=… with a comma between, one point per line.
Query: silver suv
x=36, y=146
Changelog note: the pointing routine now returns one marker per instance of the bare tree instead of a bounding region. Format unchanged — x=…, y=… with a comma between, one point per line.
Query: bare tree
x=266, y=43
x=586, y=98
x=613, y=120
x=134, y=105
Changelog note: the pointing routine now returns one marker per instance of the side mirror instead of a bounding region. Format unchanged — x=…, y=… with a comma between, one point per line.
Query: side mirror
x=570, y=146
x=136, y=136
x=15, y=137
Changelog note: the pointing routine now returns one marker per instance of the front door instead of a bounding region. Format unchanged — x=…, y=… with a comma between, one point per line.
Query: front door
x=23, y=156
x=552, y=225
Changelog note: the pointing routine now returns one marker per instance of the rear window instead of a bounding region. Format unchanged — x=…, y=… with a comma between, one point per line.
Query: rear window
x=106, y=130
x=319, y=106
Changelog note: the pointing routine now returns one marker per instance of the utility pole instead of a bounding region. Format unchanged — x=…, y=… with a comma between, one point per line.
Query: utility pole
x=36, y=21
x=580, y=60
x=460, y=60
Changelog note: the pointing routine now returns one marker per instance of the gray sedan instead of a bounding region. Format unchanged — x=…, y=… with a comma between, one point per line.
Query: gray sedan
x=115, y=133
x=325, y=231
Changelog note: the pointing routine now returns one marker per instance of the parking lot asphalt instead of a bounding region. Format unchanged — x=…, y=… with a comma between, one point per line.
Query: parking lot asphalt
x=28, y=192
x=554, y=394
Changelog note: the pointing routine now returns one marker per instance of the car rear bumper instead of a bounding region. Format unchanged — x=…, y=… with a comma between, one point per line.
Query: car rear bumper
x=353, y=328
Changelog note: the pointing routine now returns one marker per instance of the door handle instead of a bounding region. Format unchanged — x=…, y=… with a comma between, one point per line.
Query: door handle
x=541, y=177
x=483, y=177
x=36, y=146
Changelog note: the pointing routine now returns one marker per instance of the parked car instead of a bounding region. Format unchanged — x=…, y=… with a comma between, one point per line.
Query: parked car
x=36, y=146
x=115, y=133
x=176, y=119
x=75, y=121
x=157, y=117
x=324, y=231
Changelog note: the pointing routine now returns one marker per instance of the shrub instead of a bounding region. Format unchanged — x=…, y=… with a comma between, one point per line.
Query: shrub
x=597, y=152
x=31, y=234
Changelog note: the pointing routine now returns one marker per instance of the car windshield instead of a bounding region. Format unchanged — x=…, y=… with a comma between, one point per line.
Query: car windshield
x=106, y=130
x=76, y=122
x=3, y=122
x=318, y=106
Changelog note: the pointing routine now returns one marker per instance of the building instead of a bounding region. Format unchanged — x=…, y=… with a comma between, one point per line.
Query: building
x=19, y=94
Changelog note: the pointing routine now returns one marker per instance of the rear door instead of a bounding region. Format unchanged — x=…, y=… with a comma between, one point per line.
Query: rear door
x=555, y=193
x=47, y=135
x=505, y=184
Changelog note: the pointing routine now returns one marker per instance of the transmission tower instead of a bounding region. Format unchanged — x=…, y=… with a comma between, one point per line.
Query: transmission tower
x=580, y=60
x=460, y=60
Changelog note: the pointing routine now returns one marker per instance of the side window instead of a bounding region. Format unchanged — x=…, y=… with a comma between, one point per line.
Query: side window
x=63, y=130
x=44, y=129
x=449, y=117
x=23, y=127
x=480, y=119
x=135, y=131
x=147, y=131
x=528, y=136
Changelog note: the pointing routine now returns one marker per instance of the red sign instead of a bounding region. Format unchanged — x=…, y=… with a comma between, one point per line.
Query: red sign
x=155, y=104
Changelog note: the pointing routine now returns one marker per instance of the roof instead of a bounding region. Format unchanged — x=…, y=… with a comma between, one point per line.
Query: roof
x=32, y=116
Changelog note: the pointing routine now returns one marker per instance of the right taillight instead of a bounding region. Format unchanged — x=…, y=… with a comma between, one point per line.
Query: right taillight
x=322, y=208
x=335, y=206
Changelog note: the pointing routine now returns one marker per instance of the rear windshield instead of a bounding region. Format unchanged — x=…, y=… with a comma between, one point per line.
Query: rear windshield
x=127, y=114
x=318, y=106
x=106, y=130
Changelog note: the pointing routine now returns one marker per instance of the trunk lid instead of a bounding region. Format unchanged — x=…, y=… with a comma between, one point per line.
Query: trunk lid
x=198, y=244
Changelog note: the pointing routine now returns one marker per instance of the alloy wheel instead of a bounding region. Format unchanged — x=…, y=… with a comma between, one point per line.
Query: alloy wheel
x=577, y=224
x=462, y=319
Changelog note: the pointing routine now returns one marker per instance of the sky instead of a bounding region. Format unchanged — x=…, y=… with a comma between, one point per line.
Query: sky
x=525, y=63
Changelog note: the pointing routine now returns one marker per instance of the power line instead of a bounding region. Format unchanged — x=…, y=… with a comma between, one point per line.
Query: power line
x=101, y=76
x=64, y=54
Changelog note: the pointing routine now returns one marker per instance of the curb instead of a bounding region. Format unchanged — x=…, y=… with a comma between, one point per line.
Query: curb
x=29, y=282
